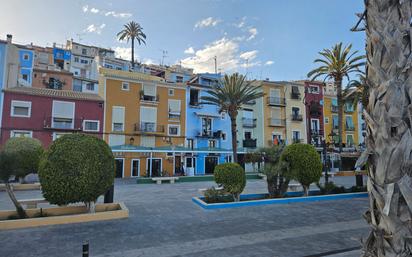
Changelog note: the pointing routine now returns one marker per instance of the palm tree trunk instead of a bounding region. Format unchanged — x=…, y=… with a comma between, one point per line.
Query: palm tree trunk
x=233, y=115
x=338, y=83
x=133, y=53
x=20, y=211
x=388, y=117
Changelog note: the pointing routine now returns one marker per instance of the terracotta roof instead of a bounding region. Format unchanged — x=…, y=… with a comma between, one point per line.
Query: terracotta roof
x=54, y=93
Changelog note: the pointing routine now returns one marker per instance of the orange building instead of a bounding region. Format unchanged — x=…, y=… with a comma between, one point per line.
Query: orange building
x=144, y=122
x=53, y=79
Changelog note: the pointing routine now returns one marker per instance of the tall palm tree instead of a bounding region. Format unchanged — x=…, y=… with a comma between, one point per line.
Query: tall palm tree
x=132, y=31
x=357, y=91
x=338, y=63
x=388, y=119
x=229, y=95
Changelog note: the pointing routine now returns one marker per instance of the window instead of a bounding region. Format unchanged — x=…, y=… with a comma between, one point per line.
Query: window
x=63, y=115
x=84, y=61
x=118, y=127
x=296, y=136
x=174, y=130
x=212, y=143
x=327, y=120
x=224, y=136
x=179, y=79
x=76, y=59
x=25, y=77
x=84, y=51
x=335, y=121
x=118, y=118
x=20, y=109
x=194, y=97
x=349, y=123
x=62, y=123
x=58, y=135
x=171, y=92
x=147, y=141
x=223, y=115
x=174, y=109
x=125, y=86
x=349, y=140
x=91, y=125
x=206, y=126
x=314, y=89
x=190, y=143
x=135, y=168
x=295, y=111
x=90, y=86
x=248, y=135
x=149, y=92
x=21, y=133
x=148, y=120
x=26, y=57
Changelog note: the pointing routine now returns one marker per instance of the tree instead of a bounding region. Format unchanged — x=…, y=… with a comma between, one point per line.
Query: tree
x=229, y=95
x=304, y=164
x=20, y=156
x=338, y=63
x=76, y=168
x=253, y=158
x=357, y=91
x=277, y=175
x=233, y=178
x=132, y=31
x=388, y=119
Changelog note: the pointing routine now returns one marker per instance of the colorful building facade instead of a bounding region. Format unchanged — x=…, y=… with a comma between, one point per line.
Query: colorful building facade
x=295, y=113
x=314, y=112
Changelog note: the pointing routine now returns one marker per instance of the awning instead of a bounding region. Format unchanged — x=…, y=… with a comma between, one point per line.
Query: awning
x=207, y=114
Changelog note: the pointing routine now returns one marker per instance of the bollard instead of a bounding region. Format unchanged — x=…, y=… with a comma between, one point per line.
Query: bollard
x=86, y=248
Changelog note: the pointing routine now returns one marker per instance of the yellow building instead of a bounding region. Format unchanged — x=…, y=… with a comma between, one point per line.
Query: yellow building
x=295, y=112
x=350, y=119
x=144, y=122
x=274, y=112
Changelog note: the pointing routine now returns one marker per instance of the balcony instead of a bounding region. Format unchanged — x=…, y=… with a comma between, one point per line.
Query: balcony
x=149, y=98
x=315, y=110
x=148, y=127
x=174, y=115
x=277, y=122
x=276, y=101
x=295, y=96
x=249, y=143
x=56, y=123
x=297, y=140
x=334, y=108
x=249, y=123
x=194, y=103
x=297, y=117
x=272, y=143
x=209, y=134
x=252, y=102
x=349, y=128
x=349, y=110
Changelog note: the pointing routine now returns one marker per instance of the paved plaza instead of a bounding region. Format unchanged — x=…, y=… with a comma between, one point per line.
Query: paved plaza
x=164, y=222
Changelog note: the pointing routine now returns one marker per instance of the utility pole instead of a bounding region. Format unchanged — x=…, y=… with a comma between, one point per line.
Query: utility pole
x=164, y=55
x=215, y=59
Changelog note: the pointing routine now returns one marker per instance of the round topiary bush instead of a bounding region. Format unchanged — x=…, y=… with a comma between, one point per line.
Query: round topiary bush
x=304, y=164
x=232, y=177
x=76, y=168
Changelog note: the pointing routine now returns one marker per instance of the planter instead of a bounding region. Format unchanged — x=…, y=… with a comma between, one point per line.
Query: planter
x=21, y=187
x=246, y=202
x=197, y=178
x=62, y=215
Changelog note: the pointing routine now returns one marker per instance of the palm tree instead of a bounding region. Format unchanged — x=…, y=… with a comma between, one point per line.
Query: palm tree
x=357, y=91
x=132, y=31
x=388, y=119
x=229, y=95
x=338, y=63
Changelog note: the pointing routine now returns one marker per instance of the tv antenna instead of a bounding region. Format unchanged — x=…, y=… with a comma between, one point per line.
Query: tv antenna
x=164, y=55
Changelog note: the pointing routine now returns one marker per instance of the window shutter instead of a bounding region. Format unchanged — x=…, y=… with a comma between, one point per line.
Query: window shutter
x=149, y=89
x=63, y=110
x=174, y=106
x=118, y=114
x=148, y=114
x=116, y=140
x=147, y=141
x=275, y=113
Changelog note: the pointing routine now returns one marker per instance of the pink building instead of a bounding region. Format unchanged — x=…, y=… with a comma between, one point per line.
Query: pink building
x=314, y=112
x=47, y=114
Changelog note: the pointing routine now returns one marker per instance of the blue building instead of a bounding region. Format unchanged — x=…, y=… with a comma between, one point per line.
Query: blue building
x=207, y=130
x=26, y=63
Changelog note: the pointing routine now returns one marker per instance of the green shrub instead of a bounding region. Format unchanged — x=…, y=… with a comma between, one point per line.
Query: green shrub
x=213, y=195
x=304, y=164
x=76, y=168
x=232, y=177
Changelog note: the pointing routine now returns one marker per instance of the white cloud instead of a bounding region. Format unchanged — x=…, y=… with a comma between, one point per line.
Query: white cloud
x=253, y=32
x=148, y=61
x=208, y=22
x=92, y=28
x=250, y=55
x=269, y=63
x=250, y=64
x=85, y=8
x=242, y=23
x=226, y=51
x=124, y=53
x=118, y=15
x=190, y=50
x=94, y=10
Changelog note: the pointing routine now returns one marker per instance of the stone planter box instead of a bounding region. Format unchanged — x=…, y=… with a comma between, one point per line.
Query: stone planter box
x=245, y=202
x=22, y=187
x=62, y=215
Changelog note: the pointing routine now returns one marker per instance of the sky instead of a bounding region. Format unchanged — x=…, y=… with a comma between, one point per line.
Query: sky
x=275, y=39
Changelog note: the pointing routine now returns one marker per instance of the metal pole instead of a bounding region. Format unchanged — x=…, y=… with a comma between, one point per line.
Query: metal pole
x=151, y=162
x=85, y=249
x=324, y=162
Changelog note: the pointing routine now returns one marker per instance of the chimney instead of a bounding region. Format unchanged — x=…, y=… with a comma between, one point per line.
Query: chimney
x=9, y=38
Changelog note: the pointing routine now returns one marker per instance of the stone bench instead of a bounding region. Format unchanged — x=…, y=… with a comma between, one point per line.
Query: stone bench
x=32, y=203
x=160, y=179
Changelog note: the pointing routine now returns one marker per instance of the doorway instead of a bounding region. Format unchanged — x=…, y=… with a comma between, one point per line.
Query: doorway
x=190, y=166
x=135, y=168
x=157, y=167
x=210, y=164
x=178, y=165
x=119, y=167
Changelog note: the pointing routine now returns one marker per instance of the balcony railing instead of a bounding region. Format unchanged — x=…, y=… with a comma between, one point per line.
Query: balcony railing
x=150, y=98
x=297, y=140
x=334, y=108
x=276, y=101
x=174, y=115
x=249, y=143
x=209, y=134
x=149, y=127
x=297, y=117
x=194, y=103
x=249, y=123
x=272, y=142
x=253, y=102
x=350, y=128
x=295, y=96
x=277, y=122
x=62, y=123
x=349, y=110
x=316, y=132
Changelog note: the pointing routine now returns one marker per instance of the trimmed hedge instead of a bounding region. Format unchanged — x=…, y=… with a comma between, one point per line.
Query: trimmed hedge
x=232, y=177
x=304, y=163
x=76, y=168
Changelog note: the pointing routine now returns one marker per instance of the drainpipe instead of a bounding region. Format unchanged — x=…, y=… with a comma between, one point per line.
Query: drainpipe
x=150, y=161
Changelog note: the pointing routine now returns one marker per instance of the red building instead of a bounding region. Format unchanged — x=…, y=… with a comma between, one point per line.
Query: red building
x=46, y=114
x=314, y=112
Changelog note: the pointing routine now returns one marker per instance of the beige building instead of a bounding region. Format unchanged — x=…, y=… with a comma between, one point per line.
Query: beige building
x=295, y=113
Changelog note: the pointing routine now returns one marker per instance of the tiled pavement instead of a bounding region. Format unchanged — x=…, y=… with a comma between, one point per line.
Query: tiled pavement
x=164, y=222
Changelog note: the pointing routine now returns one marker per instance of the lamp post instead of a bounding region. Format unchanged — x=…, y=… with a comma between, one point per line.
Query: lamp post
x=325, y=165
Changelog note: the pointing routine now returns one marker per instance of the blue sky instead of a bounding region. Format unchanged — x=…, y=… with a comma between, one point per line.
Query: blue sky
x=276, y=39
